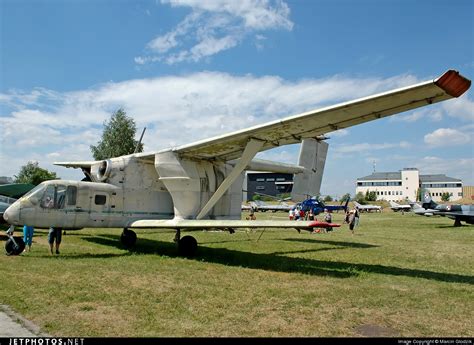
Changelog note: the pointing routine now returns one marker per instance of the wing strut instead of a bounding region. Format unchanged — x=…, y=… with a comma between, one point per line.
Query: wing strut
x=252, y=148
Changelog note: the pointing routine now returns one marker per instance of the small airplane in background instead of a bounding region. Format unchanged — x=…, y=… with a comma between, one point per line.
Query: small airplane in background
x=199, y=185
x=261, y=206
x=318, y=206
x=416, y=208
x=367, y=208
x=457, y=212
x=397, y=207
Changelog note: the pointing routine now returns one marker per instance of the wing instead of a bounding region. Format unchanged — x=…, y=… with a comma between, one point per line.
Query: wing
x=293, y=129
x=83, y=164
x=227, y=224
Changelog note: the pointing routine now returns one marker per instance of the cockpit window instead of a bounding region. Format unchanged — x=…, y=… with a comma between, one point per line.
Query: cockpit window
x=39, y=187
x=54, y=197
x=47, y=201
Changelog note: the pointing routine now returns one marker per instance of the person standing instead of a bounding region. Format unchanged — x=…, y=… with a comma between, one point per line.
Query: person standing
x=54, y=235
x=327, y=218
x=28, y=236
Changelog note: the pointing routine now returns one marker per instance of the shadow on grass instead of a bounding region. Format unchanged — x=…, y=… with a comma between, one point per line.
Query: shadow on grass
x=334, y=243
x=278, y=263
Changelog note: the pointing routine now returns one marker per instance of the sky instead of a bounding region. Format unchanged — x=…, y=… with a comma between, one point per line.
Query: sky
x=189, y=69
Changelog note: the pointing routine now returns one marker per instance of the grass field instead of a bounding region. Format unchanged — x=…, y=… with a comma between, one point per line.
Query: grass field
x=399, y=275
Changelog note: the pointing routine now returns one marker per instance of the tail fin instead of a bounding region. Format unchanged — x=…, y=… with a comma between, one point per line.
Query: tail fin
x=427, y=201
x=313, y=158
x=346, y=204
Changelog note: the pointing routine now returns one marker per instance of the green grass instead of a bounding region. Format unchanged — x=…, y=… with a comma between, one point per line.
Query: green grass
x=399, y=275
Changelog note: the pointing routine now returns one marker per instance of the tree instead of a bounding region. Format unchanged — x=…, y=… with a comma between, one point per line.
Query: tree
x=118, y=138
x=346, y=196
x=445, y=196
x=370, y=196
x=32, y=173
x=327, y=198
x=360, y=198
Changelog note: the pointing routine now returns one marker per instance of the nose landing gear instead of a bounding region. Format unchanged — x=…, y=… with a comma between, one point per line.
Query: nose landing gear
x=14, y=245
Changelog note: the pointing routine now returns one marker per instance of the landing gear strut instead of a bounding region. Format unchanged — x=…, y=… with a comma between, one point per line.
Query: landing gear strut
x=128, y=238
x=14, y=245
x=187, y=246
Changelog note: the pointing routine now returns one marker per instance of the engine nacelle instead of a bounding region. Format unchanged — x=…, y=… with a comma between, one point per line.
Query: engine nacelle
x=109, y=171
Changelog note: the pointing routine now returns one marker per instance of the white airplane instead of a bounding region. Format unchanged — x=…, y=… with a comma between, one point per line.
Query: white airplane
x=397, y=207
x=199, y=185
x=367, y=208
x=261, y=206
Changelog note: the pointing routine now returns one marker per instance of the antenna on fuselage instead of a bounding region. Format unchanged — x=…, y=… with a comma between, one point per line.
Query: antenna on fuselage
x=140, y=141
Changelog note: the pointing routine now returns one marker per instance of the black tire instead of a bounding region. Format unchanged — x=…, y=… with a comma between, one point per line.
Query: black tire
x=128, y=238
x=12, y=249
x=187, y=246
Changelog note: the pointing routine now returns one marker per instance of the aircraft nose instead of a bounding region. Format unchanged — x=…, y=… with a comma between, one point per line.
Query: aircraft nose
x=12, y=214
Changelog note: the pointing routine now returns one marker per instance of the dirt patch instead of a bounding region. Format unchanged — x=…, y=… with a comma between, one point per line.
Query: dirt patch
x=375, y=331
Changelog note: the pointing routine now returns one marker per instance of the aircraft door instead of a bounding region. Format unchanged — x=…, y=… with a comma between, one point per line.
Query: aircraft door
x=100, y=209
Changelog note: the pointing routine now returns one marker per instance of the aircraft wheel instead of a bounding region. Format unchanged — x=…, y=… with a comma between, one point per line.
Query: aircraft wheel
x=187, y=246
x=128, y=238
x=12, y=249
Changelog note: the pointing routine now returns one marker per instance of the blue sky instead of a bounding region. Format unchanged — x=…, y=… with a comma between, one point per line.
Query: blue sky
x=191, y=69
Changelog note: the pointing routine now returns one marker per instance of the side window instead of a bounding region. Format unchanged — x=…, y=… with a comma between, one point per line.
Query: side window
x=47, y=201
x=60, y=196
x=71, y=194
x=100, y=199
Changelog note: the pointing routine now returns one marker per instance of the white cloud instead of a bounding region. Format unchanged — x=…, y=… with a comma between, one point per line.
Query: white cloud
x=215, y=26
x=176, y=110
x=461, y=108
x=446, y=137
x=453, y=167
x=369, y=147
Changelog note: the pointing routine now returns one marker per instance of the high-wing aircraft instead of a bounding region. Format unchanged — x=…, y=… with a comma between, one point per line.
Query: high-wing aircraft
x=199, y=185
x=367, y=208
x=459, y=213
x=397, y=207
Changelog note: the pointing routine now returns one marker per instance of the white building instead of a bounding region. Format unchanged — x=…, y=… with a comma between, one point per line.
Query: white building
x=403, y=185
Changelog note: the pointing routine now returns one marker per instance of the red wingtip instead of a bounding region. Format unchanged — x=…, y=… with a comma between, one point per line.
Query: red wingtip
x=453, y=83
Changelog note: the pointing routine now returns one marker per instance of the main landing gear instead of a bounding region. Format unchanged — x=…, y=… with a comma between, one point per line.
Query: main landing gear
x=187, y=246
x=128, y=238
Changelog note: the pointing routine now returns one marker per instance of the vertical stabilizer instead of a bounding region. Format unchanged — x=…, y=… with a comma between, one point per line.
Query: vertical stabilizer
x=312, y=157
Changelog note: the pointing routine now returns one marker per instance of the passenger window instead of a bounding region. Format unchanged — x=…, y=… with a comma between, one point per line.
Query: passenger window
x=100, y=199
x=71, y=194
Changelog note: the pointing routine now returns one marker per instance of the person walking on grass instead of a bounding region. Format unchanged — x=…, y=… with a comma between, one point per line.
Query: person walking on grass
x=54, y=235
x=28, y=237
